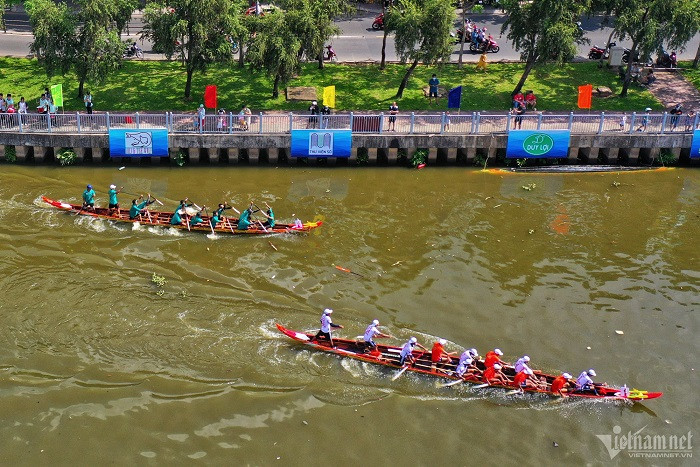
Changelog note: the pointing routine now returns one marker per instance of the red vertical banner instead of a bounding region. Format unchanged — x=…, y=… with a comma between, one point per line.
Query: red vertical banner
x=585, y=96
x=210, y=97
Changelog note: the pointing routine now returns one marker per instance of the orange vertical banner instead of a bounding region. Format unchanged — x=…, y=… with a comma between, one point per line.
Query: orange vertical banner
x=585, y=96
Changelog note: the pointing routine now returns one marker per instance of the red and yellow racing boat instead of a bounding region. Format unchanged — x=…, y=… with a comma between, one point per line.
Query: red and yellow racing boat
x=160, y=218
x=389, y=356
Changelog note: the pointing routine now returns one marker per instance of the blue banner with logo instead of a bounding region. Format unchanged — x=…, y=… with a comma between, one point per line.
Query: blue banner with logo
x=321, y=143
x=528, y=144
x=695, y=145
x=138, y=143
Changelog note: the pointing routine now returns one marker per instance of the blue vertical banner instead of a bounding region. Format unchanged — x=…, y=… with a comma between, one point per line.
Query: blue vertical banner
x=454, y=98
x=138, y=143
x=695, y=145
x=321, y=143
x=530, y=144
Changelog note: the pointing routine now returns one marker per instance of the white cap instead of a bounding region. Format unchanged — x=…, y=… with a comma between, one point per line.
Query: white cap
x=498, y=351
x=473, y=352
x=375, y=322
x=113, y=187
x=413, y=340
x=442, y=341
x=567, y=375
x=327, y=311
x=314, y=103
x=497, y=366
x=591, y=372
x=526, y=358
x=648, y=109
x=528, y=371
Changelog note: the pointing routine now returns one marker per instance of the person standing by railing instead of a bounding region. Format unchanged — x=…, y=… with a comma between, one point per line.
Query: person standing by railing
x=393, y=111
x=87, y=99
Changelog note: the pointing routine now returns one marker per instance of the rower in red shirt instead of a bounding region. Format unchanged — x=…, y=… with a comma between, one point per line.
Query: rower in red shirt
x=493, y=375
x=438, y=356
x=560, y=383
x=526, y=379
x=492, y=358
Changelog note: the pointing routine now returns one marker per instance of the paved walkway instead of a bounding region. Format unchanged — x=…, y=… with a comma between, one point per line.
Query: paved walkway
x=672, y=88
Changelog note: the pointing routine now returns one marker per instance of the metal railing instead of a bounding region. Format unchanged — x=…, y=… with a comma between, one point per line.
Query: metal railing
x=405, y=123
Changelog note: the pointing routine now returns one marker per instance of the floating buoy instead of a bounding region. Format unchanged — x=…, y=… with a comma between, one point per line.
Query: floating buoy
x=122, y=167
x=420, y=166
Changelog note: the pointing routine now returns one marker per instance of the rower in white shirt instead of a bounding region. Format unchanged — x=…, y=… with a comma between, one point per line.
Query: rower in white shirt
x=521, y=363
x=584, y=380
x=326, y=325
x=370, y=333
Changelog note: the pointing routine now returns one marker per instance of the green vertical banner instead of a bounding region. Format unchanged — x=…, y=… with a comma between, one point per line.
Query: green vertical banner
x=57, y=94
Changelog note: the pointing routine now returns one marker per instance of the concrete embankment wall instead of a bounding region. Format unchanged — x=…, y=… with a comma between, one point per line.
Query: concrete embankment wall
x=382, y=149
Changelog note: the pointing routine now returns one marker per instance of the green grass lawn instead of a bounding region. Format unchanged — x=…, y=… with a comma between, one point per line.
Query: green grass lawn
x=691, y=74
x=159, y=86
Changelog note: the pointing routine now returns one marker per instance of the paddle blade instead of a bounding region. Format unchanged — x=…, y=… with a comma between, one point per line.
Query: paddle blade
x=480, y=386
x=451, y=383
x=397, y=375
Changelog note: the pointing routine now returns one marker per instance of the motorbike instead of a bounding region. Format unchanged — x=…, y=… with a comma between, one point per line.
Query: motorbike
x=596, y=53
x=460, y=32
x=489, y=45
x=132, y=50
x=378, y=22
x=664, y=60
x=330, y=54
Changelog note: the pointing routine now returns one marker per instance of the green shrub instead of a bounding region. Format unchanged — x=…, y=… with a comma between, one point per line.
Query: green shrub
x=180, y=158
x=362, y=156
x=419, y=157
x=10, y=154
x=666, y=157
x=66, y=156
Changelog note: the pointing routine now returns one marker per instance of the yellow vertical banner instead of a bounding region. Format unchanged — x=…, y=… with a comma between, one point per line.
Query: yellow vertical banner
x=329, y=96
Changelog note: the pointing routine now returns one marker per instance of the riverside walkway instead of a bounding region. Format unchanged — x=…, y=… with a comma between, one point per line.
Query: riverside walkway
x=378, y=123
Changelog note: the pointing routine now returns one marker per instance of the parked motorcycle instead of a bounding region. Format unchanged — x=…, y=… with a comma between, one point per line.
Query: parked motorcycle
x=489, y=45
x=378, y=22
x=132, y=50
x=596, y=53
x=664, y=60
x=330, y=54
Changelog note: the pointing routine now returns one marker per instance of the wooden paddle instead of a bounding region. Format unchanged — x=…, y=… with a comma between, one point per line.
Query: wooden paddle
x=397, y=375
x=340, y=268
x=451, y=383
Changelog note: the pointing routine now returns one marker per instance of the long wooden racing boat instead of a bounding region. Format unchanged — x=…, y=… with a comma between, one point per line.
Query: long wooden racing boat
x=160, y=218
x=389, y=356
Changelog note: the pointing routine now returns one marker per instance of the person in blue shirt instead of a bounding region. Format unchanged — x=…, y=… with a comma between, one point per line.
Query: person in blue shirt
x=137, y=206
x=433, y=92
x=179, y=212
x=197, y=218
x=244, y=219
x=270, y=215
x=113, y=202
x=218, y=214
x=89, y=198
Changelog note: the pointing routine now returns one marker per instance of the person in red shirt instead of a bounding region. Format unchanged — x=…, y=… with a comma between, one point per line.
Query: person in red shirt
x=526, y=379
x=438, y=356
x=492, y=358
x=559, y=384
x=493, y=375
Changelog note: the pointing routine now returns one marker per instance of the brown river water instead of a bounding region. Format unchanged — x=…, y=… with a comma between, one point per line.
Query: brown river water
x=97, y=367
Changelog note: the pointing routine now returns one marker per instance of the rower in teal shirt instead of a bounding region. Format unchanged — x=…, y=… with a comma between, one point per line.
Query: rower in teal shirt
x=244, y=219
x=113, y=202
x=270, y=222
x=197, y=218
x=219, y=214
x=177, y=219
x=136, y=207
x=89, y=197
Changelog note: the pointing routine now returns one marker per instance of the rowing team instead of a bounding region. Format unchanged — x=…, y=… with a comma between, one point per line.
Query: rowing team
x=466, y=368
x=181, y=215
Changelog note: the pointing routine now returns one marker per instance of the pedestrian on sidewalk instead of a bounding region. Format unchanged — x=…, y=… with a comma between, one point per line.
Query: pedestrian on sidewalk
x=393, y=111
x=87, y=98
x=433, y=90
x=645, y=120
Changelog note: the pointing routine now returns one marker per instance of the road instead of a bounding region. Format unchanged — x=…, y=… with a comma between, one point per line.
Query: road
x=358, y=42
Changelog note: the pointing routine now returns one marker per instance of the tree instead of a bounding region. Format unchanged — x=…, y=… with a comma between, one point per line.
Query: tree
x=467, y=5
x=196, y=32
x=86, y=40
x=697, y=57
x=422, y=33
x=543, y=31
x=54, y=28
x=275, y=49
x=312, y=23
x=653, y=24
